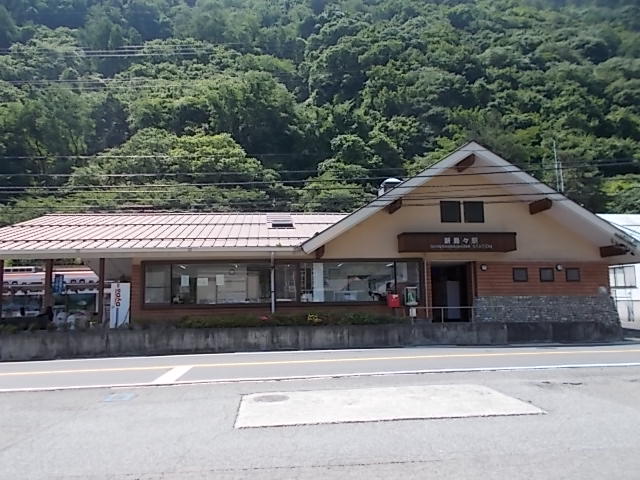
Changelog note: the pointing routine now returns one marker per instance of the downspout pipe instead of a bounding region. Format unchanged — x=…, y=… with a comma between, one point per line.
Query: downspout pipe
x=273, y=282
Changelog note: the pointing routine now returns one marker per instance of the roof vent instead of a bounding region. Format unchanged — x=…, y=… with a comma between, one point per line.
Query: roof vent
x=279, y=220
x=387, y=185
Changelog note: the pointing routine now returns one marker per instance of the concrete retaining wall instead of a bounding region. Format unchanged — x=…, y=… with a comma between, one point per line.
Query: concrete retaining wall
x=40, y=345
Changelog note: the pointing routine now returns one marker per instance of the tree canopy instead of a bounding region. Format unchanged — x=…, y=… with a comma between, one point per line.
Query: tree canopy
x=307, y=105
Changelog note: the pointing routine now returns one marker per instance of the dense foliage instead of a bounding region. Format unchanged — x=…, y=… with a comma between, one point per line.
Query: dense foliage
x=306, y=105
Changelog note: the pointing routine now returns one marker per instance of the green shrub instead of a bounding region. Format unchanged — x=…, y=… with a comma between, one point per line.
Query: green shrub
x=8, y=329
x=280, y=320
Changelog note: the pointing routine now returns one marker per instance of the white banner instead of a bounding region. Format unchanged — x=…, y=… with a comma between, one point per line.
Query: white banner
x=120, y=301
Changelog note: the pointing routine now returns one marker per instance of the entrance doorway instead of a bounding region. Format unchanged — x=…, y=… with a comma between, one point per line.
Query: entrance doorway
x=451, y=292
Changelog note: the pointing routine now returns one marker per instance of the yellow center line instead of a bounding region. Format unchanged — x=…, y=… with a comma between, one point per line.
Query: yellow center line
x=320, y=361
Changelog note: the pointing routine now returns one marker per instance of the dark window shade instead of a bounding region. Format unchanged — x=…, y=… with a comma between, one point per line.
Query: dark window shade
x=474, y=212
x=520, y=275
x=450, y=212
x=572, y=274
x=546, y=274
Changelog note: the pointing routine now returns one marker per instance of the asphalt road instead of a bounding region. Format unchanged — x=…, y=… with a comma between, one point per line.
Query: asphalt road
x=589, y=429
x=140, y=371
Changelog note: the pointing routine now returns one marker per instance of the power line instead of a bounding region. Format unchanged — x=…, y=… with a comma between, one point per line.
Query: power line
x=158, y=209
x=74, y=49
x=514, y=169
x=99, y=156
x=446, y=195
x=106, y=81
x=163, y=187
x=192, y=43
x=126, y=54
x=214, y=155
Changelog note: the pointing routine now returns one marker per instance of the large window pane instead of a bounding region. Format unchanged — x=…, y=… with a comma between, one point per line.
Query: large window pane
x=474, y=212
x=286, y=283
x=157, y=284
x=629, y=276
x=355, y=281
x=449, y=212
x=209, y=283
x=220, y=283
x=408, y=276
x=623, y=277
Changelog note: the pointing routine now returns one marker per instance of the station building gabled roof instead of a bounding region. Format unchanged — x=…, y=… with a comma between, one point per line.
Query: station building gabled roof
x=90, y=235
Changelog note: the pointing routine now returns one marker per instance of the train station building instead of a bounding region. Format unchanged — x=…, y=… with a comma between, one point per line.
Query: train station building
x=472, y=237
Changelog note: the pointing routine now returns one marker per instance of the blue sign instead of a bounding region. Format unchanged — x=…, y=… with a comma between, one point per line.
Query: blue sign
x=58, y=283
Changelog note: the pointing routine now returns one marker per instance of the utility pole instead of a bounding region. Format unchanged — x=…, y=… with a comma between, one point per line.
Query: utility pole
x=559, y=173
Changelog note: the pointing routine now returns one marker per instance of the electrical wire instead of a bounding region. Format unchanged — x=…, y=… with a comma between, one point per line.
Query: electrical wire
x=163, y=187
x=151, y=208
x=513, y=169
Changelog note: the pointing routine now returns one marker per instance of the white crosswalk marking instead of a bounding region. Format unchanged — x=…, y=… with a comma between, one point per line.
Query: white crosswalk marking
x=172, y=375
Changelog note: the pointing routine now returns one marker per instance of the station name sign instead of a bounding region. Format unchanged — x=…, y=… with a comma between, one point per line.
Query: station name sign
x=456, y=242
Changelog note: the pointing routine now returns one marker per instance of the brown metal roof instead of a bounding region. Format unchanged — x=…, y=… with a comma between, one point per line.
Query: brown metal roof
x=119, y=232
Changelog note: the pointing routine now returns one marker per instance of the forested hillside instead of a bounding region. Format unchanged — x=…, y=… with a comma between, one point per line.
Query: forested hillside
x=307, y=104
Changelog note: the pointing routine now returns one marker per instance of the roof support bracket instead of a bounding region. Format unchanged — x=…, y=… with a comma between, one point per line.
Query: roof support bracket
x=465, y=163
x=613, y=250
x=319, y=252
x=540, y=205
x=394, y=206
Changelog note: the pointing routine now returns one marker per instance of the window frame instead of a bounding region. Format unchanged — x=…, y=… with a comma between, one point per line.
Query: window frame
x=545, y=269
x=450, y=203
x=520, y=269
x=143, y=282
x=422, y=284
x=572, y=269
x=623, y=269
x=470, y=203
x=421, y=280
x=195, y=306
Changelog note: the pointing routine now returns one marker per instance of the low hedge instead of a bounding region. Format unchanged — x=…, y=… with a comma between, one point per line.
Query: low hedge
x=281, y=320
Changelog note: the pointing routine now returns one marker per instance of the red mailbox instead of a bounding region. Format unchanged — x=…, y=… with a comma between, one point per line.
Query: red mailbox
x=393, y=300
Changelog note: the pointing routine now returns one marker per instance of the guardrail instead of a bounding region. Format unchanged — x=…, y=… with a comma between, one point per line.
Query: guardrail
x=446, y=314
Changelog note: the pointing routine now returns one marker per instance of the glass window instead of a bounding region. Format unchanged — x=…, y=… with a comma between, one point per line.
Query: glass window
x=474, y=212
x=356, y=281
x=572, y=274
x=450, y=212
x=623, y=276
x=520, y=274
x=408, y=276
x=211, y=283
x=546, y=274
x=630, y=276
x=286, y=289
x=157, y=283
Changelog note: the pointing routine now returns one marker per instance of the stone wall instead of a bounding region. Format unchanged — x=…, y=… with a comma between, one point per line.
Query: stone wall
x=546, y=308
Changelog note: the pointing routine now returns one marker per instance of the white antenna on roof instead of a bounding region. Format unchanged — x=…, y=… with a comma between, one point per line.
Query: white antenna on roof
x=559, y=173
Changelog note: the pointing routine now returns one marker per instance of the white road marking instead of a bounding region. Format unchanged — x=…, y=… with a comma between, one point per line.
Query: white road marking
x=544, y=347
x=213, y=381
x=172, y=375
x=266, y=352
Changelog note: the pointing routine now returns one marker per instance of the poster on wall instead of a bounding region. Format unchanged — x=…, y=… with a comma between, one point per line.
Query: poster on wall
x=120, y=302
x=58, y=283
